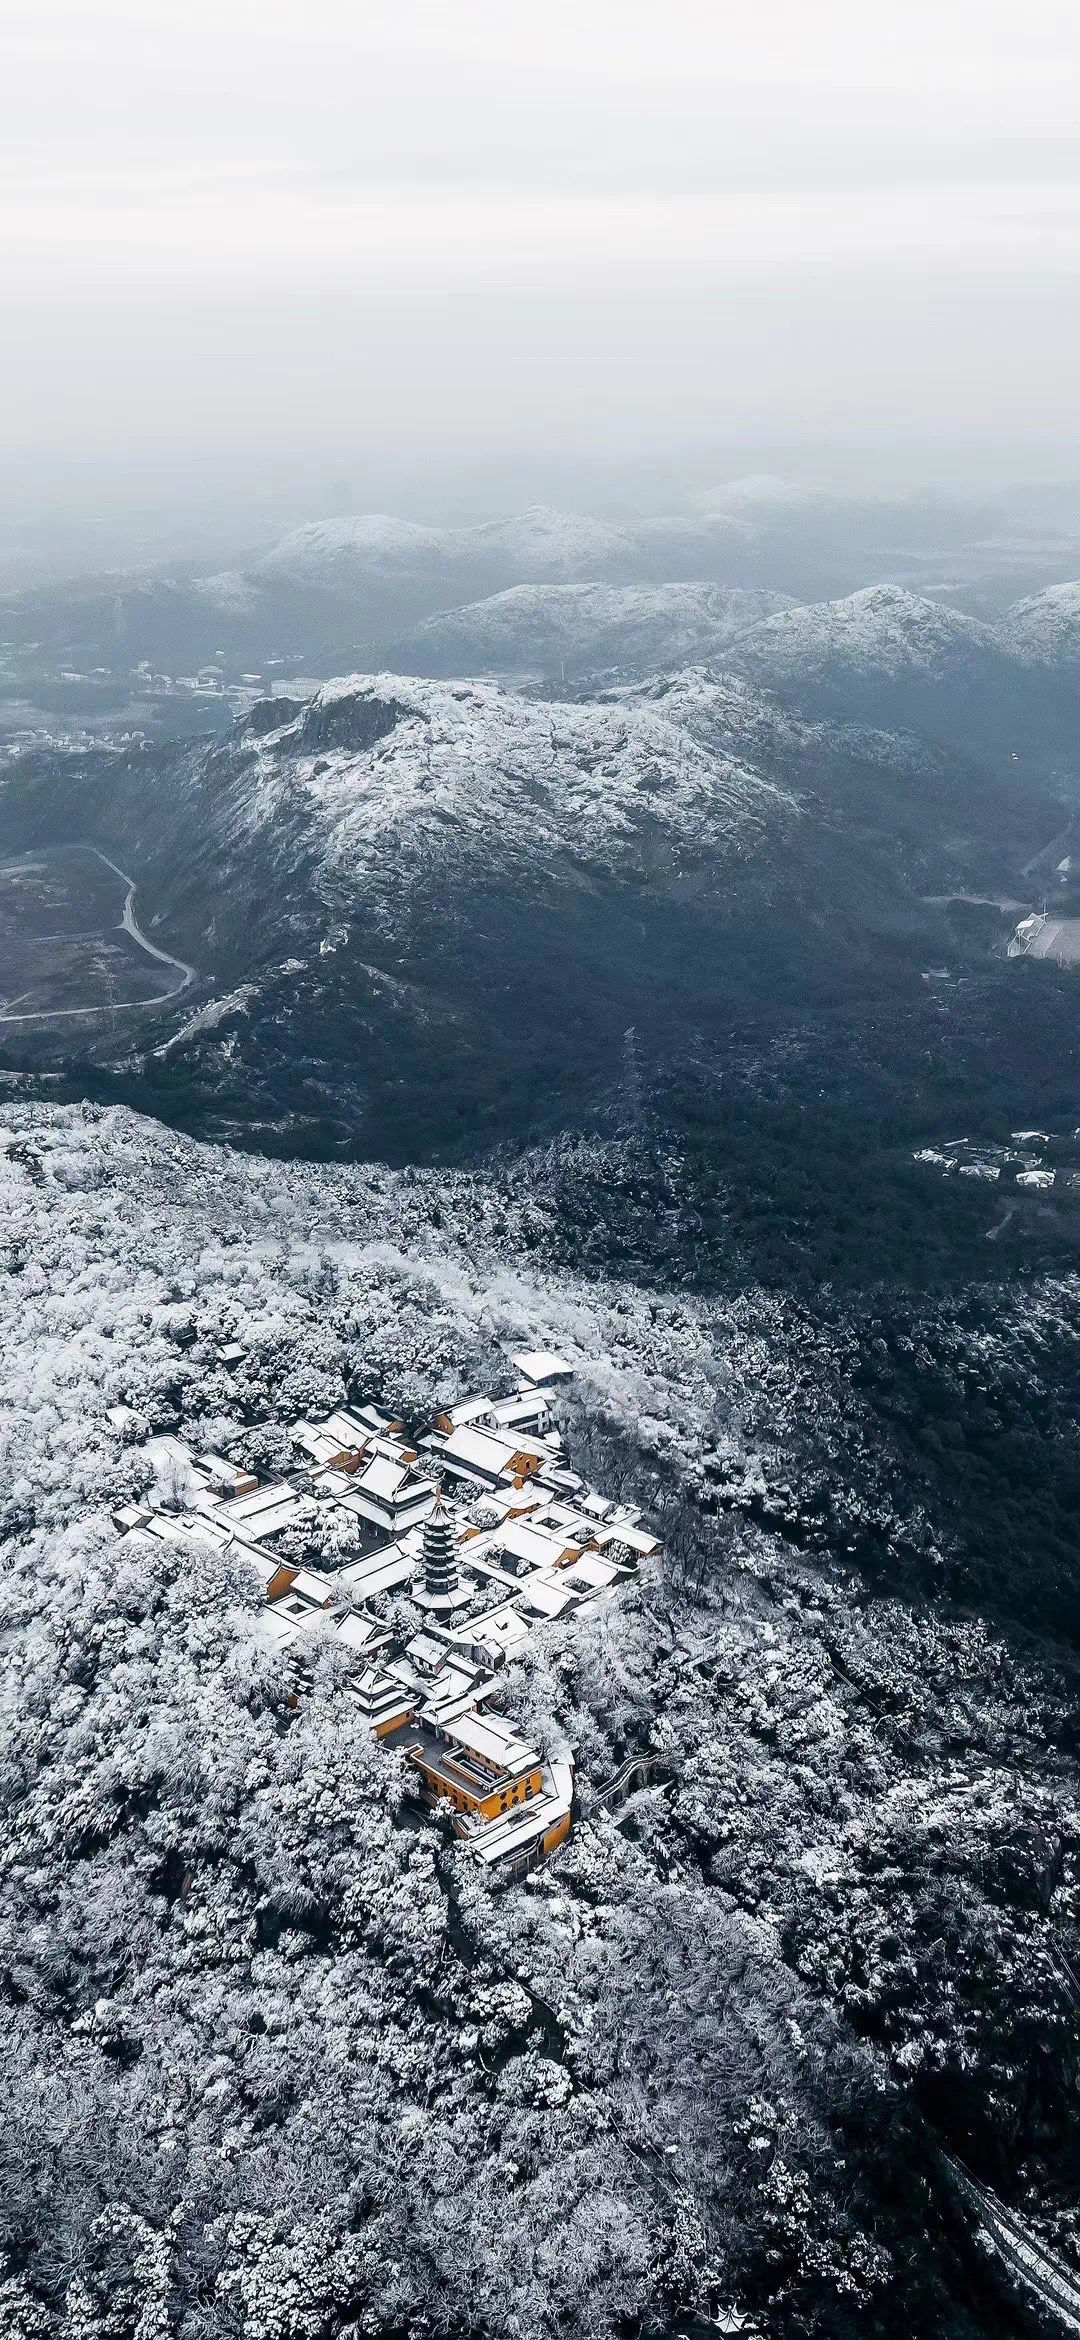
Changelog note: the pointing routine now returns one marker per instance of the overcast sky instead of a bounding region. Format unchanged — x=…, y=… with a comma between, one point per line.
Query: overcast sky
x=358, y=240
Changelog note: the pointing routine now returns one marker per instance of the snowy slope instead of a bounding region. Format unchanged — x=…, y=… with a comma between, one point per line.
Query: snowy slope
x=1044, y=629
x=881, y=630
x=387, y=773
x=330, y=553
x=542, y=628
x=541, y=542
x=539, y=545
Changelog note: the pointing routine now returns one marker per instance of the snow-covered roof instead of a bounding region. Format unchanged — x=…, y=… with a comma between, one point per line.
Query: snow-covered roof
x=383, y=1478
x=466, y=1410
x=479, y=1450
x=514, y=1832
x=503, y=1630
x=281, y=1510
x=590, y=1574
x=541, y=1365
x=547, y=1594
x=122, y=1417
x=538, y=1547
x=493, y=1740
x=280, y=1631
x=637, y=1540
x=260, y=1499
x=360, y=1633
x=313, y=1587
x=382, y=1572
x=344, y=1427
x=168, y=1453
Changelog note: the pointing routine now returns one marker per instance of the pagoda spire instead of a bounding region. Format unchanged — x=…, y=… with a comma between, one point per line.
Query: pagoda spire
x=439, y=1590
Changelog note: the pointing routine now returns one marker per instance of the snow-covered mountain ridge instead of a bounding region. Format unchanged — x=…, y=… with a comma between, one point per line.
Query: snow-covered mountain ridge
x=1044, y=628
x=881, y=626
x=321, y=549
x=357, y=589
x=587, y=627
x=537, y=543
x=385, y=765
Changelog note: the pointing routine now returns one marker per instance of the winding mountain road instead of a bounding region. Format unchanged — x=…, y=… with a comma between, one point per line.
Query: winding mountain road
x=130, y=925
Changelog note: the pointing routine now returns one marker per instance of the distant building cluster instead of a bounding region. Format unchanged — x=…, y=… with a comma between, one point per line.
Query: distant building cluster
x=459, y=1544
x=1045, y=935
x=1022, y=1163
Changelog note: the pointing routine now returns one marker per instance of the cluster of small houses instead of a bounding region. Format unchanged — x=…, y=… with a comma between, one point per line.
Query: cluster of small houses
x=473, y=1535
x=1022, y=1162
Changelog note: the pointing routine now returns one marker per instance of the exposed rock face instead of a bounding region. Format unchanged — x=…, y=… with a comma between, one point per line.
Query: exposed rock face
x=439, y=770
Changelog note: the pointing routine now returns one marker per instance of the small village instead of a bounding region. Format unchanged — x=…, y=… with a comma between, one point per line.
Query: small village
x=459, y=1544
x=1033, y=1160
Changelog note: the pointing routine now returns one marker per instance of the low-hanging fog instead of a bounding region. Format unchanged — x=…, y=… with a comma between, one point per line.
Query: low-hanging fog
x=261, y=263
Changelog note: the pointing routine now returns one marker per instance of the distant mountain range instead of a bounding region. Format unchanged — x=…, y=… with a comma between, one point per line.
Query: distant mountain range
x=580, y=629
x=376, y=589
x=879, y=655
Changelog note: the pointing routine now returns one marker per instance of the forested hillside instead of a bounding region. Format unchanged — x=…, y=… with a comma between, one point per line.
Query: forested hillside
x=281, y=2065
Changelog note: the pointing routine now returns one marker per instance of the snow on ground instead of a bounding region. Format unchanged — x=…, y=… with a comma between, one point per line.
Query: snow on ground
x=215, y=1012
x=1045, y=628
x=539, y=540
x=507, y=776
x=882, y=627
x=650, y=627
x=324, y=552
x=547, y=541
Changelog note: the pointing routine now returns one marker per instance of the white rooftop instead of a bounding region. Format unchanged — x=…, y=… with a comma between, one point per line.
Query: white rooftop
x=480, y=1450
x=538, y=1547
x=492, y=1738
x=380, y=1572
x=383, y=1478
x=590, y=1574
x=359, y=1633
x=470, y=1409
x=504, y=1630
x=547, y=1594
x=541, y=1365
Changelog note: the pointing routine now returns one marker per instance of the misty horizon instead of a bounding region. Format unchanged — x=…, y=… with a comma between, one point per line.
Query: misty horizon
x=446, y=266
x=189, y=514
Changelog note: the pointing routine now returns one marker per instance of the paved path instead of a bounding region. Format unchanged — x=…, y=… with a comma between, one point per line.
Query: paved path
x=1054, y=2284
x=130, y=925
x=637, y=1772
